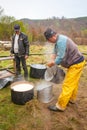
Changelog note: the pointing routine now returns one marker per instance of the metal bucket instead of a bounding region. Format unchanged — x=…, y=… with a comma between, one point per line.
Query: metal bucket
x=45, y=94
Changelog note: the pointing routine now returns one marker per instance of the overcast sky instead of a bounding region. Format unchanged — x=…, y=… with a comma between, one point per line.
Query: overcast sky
x=43, y=9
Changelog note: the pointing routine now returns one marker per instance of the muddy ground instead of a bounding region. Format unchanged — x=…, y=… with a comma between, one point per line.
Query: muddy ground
x=73, y=118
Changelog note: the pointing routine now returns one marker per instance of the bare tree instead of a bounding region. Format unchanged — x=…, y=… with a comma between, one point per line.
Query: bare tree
x=1, y=11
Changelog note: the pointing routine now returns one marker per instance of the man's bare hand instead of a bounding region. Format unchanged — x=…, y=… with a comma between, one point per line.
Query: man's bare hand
x=26, y=56
x=11, y=54
x=50, y=64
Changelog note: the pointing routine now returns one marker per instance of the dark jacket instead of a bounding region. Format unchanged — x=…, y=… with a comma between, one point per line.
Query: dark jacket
x=23, y=44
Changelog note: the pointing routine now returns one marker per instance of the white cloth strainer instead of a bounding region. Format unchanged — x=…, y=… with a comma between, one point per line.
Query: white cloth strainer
x=50, y=72
x=54, y=74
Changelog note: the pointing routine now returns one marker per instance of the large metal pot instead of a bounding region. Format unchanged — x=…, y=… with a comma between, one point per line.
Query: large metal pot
x=45, y=92
x=37, y=70
x=21, y=92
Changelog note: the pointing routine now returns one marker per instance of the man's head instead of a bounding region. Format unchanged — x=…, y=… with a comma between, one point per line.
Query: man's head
x=50, y=35
x=17, y=28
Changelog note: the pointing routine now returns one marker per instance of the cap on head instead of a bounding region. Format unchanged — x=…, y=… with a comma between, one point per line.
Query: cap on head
x=49, y=33
x=16, y=27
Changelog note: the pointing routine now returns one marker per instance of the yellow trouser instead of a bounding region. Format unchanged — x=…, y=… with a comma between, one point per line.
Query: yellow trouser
x=70, y=85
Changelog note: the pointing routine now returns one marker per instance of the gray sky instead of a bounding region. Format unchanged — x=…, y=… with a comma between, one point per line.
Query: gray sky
x=43, y=9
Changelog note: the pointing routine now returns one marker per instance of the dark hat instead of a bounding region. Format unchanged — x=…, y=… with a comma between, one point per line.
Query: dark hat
x=16, y=27
x=49, y=33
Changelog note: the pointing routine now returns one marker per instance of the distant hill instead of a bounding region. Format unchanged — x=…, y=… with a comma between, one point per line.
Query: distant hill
x=58, y=24
x=76, y=28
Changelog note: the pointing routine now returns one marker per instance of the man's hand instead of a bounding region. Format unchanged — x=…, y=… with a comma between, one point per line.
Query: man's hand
x=11, y=54
x=50, y=64
x=26, y=56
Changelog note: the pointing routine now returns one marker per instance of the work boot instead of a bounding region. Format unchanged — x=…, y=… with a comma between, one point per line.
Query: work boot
x=54, y=108
x=72, y=102
x=26, y=77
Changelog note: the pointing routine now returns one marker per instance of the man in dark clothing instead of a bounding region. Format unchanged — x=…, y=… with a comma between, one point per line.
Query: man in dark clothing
x=20, y=49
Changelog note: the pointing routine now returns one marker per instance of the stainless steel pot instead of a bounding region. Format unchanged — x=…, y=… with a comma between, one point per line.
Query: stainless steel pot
x=45, y=92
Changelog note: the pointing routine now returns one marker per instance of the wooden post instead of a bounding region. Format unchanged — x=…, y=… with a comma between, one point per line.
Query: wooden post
x=14, y=65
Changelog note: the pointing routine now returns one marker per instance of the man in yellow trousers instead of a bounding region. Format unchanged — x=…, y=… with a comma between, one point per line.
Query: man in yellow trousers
x=65, y=53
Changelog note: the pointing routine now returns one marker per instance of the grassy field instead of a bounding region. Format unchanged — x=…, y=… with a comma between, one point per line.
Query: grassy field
x=38, y=54
x=34, y=114
x=35, y=55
